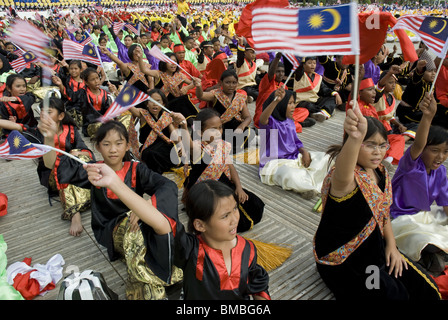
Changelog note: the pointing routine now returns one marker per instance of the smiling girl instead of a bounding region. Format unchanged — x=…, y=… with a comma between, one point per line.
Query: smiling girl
x=420, y=190
x=355, y=235
x=114, y=224
x=217, y=263
x=16, y=103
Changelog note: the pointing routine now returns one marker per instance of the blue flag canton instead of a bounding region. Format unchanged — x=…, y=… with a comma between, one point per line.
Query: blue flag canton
x=29, y=56
x=89, y=50
x=325, y=21
x=436, y=27
x=127, y=96
x=17, y=143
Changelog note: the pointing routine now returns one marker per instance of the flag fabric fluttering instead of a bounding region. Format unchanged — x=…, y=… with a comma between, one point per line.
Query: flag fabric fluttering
x=294, y=61
x=432, y=31
x=77, y=51
x=306, y=31
x=128, y=97
x=30, y=38
x=158, y=54
x=86, y=39
x=117, y=26
x=373, y=28
x=17, y=147
x=21, y=62
x=132, y=28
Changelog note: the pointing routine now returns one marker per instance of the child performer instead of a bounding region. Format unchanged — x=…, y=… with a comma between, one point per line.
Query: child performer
x=211, y=160
x=217, y=263
x=231, y=105
x=355, y=232
x=16, y=104
x=156, y=129
x=420, y=194
x=283, y=159
x=61, y=132
x=114, y=224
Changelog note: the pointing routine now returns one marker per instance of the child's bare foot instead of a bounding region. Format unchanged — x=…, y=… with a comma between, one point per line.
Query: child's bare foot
x=76, y=225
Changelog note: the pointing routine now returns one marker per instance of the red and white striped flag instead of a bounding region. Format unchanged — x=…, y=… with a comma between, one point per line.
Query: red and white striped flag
x=306, y=31
x=21, y=62
x=87, y=40
x=128, y=97
x=17, y=147
x=292, y=58
x=158, y=54
x=432, y=31
x=76, y=51
x=117, y=26
x=30, y=38
x=132, y=28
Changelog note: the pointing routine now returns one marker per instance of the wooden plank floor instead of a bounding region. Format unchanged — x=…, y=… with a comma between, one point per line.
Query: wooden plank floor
x=33, y=228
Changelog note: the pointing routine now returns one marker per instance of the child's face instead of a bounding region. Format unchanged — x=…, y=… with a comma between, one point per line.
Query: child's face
x=212, y=130
x=372, y=152
x=291, y=107
x=164, y=43
x=229, y=84
x=279, y=74
x=113, y=148
x=18, y=88
x=429, y=76
x=250, y=54
x=10, y=48
x=180, y=55
x=223, y=224
x=368, y=95
x=153, y=108
x=128, y=41
x=171, y=67
x=216, y=46
x=208, y=51
x=74, y=70
x=93, y=81
x=434, y=155
x=309, y=66
x=390, y=85
x=55, y=115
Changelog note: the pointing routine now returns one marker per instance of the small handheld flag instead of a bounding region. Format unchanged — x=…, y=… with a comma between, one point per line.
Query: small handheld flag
x=17, y=147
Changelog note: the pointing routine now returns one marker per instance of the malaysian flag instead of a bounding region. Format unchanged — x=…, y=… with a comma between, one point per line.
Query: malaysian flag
x=158, y=54
x=117, y=26
x=433, y=31
x=86, y=39
x=128, y=97
x=76, y=51
x=17, y=147
x=30, y=38
x=294, y=61
x=133, y=28
x=306, y=32
x=20, y=63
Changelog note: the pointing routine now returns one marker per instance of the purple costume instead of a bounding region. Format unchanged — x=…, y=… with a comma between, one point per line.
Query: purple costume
x=372, y=71
x=415, y=190
x=287, y=143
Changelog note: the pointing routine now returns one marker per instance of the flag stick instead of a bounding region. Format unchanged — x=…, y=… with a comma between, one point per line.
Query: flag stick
x=355, y=91
x=101, y=61
x=44, y=146
x=435, y=78
x=287, y=79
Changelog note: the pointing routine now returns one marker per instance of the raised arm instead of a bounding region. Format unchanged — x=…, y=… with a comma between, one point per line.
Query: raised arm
x=101, y=175
x=343, y=178
x=428, y=106
x=279, y=95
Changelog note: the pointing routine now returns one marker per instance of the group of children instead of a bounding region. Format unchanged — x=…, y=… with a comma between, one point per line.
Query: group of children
x=366, y=214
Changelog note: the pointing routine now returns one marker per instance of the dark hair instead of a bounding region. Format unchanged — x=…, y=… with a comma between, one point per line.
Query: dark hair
x=58, y=105
x=373, y=126
x=77, y=62
x=131, y=50
x=204, y=115
x=12, y=78
x=229, y=73
x=104, y=129
x=87, y=72
x=202, y=200
x=162, y=95
x=163, y=64
x=154, y=43
x=437, y=135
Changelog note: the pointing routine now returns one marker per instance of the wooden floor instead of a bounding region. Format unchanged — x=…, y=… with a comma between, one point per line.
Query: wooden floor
x=33, y=227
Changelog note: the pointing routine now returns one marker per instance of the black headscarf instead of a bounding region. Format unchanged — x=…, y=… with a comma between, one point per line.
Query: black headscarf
x=279, y=113
x=6, y=65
